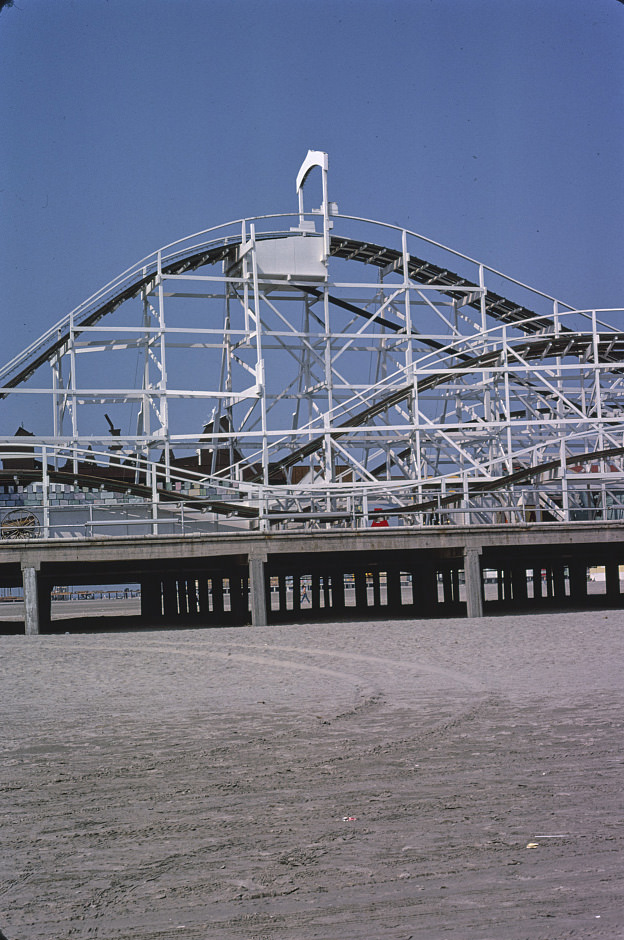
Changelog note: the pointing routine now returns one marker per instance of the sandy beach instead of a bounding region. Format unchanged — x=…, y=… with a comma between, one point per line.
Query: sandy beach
x=413, y=779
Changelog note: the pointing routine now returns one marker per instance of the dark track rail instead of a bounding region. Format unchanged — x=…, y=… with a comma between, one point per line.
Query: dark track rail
x=123, y=485
x=610, y=349
x=425, y=272
x=419, y=270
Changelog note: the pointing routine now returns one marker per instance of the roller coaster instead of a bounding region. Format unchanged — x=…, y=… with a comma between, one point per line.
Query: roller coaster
x=306, y=370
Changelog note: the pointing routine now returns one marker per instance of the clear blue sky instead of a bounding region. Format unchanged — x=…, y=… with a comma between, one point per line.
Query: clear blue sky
x=493, y=126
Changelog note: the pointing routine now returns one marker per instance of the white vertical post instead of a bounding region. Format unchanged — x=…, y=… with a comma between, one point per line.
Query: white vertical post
x=487, y=393
x=57, y=384
x=72, y=385
x=559, y=405
x=325, y=210
x=144, y=417
x=409, y=360
x=327, y=448
x=263, y=509
x=260, y=377
x=466, y=500
x=245, y=275
x=154, y=498
x=597, y=388
x=509, y=460
x=483, y=299
x=565, y=504
x=163, y=399
x=45, y=496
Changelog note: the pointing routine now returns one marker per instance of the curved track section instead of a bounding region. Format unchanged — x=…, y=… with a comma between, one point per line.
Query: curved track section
x=420, y=271
x=269, y=374
x=608, y=351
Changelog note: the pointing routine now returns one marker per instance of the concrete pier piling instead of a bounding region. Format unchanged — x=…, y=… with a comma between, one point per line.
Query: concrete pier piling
x=258, y=578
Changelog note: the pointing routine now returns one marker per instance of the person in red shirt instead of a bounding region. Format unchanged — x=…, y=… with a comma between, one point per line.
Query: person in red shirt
x=379, y=521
